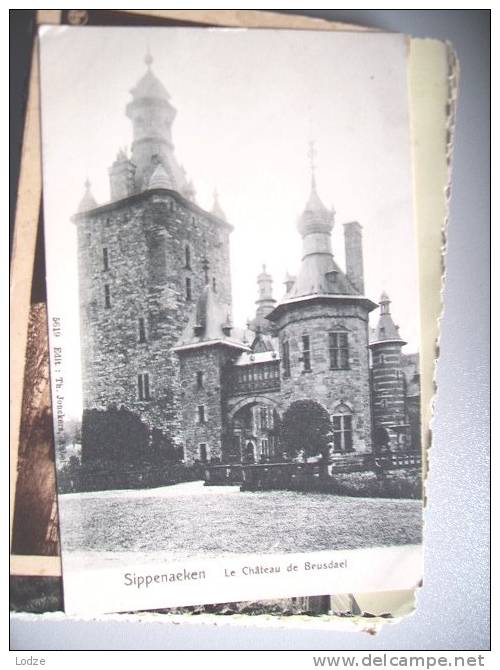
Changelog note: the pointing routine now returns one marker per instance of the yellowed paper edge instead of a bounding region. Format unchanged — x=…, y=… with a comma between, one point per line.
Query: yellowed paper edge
x=244, y=18
x=35, y=566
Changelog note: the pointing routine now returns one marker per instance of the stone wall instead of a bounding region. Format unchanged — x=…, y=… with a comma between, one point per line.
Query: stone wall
x=146, y=238
x=210, y=362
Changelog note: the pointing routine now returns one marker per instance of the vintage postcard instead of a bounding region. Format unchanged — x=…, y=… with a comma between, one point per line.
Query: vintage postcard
x=233, y=314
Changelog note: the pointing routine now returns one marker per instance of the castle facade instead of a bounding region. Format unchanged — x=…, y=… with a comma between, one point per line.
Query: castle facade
x=157, y=333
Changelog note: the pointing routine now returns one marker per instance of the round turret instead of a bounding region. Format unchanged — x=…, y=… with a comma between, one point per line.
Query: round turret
x=388, y=382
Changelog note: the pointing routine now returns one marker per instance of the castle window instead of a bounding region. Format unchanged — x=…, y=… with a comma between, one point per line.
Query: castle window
x=105, y=259
x=142, y=330
x=214, y=284
x=187, y=256
x=286, y=359
x=171, y=206
x=201, y=414
x=342, y=432
x=107, y=296
x=263, y=418
x=143, y=390
x=189, y=291
x=339, y=351
x=203, y=452
x=265, y=447
x=306, y=353
x=199, y=380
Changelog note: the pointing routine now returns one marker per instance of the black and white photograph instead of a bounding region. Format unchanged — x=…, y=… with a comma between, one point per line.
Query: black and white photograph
x=233, y=314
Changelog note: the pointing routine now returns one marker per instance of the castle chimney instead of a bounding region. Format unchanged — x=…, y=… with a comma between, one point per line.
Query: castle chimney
x=354, y=255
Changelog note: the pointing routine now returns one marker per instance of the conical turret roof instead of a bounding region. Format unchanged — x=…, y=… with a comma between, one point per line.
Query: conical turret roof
x=217, y=209
x=209, y=324
x=160, y=178
x=88, y=201
x=386, y=330
x=149, y=86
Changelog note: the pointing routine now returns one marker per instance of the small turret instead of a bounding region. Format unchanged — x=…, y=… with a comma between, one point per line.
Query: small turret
x=217, y=209
x=265, y=302
x=160, y=178
x=88, y=201
x=388, y=383
x=122, y=176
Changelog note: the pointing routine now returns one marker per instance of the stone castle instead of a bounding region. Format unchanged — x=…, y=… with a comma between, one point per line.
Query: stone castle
x=157, y=335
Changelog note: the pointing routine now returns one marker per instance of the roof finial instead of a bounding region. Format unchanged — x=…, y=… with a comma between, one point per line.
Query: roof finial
x=148, y=58
x=87, y=184
x=312, y=155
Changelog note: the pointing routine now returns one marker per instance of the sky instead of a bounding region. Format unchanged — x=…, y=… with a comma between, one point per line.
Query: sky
x=249, y=102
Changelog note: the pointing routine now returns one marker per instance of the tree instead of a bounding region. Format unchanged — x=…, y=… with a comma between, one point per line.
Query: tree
x=306, y=426
x=114, y=435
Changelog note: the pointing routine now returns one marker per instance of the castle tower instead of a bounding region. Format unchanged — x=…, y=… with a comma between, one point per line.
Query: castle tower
x=322, y=323
x=205, y=349
x=388, y=382
x=141, y=272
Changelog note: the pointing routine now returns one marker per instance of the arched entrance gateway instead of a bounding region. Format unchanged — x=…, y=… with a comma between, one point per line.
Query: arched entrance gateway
x=254, y=427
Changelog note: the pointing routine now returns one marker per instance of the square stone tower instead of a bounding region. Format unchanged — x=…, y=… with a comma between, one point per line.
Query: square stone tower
x=141, y=271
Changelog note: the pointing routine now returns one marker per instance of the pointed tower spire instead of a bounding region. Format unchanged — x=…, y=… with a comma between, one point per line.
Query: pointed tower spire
x=312, y=157
x=148, y=59
x=88, y=201
x=388, y=388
